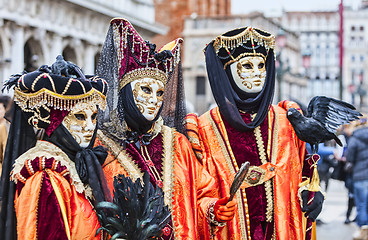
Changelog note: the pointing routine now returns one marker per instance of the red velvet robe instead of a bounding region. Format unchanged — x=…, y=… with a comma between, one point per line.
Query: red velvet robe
x=222, y=149
x=50, y=201
x=188, y=189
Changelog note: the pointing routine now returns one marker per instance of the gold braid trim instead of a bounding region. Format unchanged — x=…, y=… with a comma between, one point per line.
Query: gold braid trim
x=49, y=150
x=141, y=73
x=230, y=160
x=122, y=156
x=45, y=97
x=168, y=161
x=133, y=170
x=267, y=184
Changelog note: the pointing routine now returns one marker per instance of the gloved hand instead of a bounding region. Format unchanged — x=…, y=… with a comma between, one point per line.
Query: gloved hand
x=315, y=207
x=224, y=211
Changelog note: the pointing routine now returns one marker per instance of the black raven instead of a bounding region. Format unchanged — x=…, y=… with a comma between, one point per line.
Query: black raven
x=324, y=116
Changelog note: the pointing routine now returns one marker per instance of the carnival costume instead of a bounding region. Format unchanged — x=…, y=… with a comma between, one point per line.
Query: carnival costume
x=138, y=140
x=246, y=127
x=54, y=182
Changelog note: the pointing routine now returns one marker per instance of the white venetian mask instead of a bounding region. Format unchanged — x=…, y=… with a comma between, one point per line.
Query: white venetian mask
x=81, y=122
x=148, y=96
x=249, y=73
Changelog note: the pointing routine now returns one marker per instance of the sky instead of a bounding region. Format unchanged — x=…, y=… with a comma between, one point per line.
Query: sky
x=275, y=7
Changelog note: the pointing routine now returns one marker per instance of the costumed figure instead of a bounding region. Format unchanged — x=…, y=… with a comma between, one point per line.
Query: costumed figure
x=138, y=141
x=247, y=127
x=56, y=177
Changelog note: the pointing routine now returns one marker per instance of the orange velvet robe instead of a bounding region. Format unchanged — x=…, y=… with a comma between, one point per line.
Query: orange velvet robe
x=51, y=197
x=285, y=152
x=188, y=189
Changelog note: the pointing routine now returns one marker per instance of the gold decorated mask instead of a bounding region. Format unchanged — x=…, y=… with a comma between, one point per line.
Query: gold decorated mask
x=249, y=73
x=148, y=96
x=81, y=122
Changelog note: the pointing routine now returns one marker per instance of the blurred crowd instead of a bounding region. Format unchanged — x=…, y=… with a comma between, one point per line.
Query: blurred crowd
x=5, y=113
x=349, y=163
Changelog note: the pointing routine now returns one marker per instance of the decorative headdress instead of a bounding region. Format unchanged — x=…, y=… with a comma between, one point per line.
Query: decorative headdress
x=44, y=93
x=126, y=57
x=241, y=42
x=138, y=58
x=228, y=48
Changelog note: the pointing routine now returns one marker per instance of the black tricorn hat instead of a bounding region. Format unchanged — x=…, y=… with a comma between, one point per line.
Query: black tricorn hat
x=241, y=42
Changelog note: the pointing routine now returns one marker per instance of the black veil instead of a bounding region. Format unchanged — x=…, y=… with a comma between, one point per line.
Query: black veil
x=229, y=101
x=22, y=137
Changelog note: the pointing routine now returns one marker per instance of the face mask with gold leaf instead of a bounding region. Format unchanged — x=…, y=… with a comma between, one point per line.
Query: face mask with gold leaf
x=249, y=73
x=148, y=95
x=81, y=122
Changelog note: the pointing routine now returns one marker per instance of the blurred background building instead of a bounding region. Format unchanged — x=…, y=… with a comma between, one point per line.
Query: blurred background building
x=34, y=32
x=319, y=45
x=309, y=43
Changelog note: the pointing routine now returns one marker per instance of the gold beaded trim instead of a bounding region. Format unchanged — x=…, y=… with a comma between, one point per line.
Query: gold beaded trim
x=267, y=184
x=47, y=98
x=141, y=73
x=249, y=34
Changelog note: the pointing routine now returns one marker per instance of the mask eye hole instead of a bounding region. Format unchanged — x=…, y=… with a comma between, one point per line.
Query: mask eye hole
x=261, y=65
x=160, y=93
x=80, y=116
x=247, y=66
x=94, y=116
x=146, y=90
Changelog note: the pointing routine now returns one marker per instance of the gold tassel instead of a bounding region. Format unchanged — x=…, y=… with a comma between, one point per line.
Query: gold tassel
x=314, y=183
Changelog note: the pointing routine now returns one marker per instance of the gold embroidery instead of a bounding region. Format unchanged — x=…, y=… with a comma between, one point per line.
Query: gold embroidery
x=148, y=72
x=122, y=156
x=49, y=150
x=133, y=170
x=244, y=224
x=255, y=176
x=190, y=120
x=268, y=184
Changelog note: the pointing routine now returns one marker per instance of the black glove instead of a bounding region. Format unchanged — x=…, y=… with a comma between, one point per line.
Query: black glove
x=314, y=209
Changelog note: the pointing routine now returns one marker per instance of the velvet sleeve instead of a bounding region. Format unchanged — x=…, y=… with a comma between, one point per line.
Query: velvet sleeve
x=47, y=204
x=37, y=210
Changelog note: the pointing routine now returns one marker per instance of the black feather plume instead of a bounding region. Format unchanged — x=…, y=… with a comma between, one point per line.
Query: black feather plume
x=13, y=79
x=138, y=211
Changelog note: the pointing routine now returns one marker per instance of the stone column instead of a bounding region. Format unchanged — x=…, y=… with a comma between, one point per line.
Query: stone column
x=56, y=48
x=17, y=49
x=89, y=60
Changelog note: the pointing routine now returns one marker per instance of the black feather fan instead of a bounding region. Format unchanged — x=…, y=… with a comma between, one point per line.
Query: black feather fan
x=138, y=211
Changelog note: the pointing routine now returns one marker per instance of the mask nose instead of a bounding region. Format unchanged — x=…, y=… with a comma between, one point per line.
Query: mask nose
x=256, y=71
x=90, y=125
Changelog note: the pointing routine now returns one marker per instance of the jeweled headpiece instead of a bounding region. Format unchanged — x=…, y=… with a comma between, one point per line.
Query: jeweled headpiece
x=241, y=42
x=138, y=58
x=46, y=95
